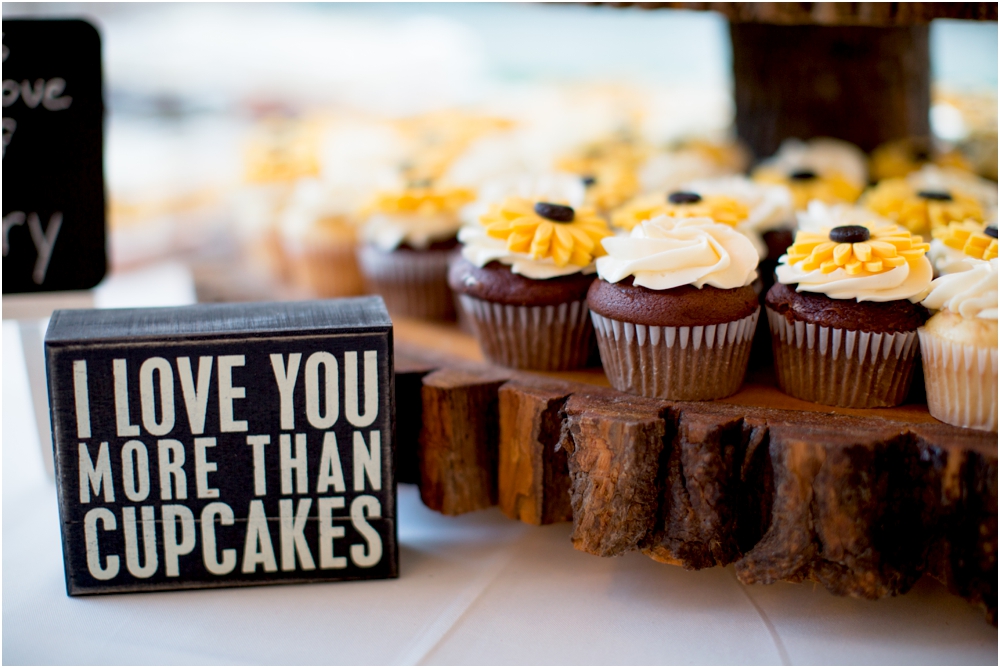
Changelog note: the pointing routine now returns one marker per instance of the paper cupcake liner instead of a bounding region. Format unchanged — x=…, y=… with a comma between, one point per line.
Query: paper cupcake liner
x=414, y=284
x=542, y=338
x=842, y=367
x=679, y=363
x=329, y=271
x=961, y=382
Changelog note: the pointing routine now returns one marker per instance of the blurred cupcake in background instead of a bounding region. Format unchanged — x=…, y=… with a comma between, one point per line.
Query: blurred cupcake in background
x=844, y=314
x=407, y=238
x=900, y=157
x=957, y=244
x=692, y=159
x=280, y=151
x=674, y=310
x=930, y=198
x=959, y=347
x=828, y=170
x=522, y=280
x=319, y=237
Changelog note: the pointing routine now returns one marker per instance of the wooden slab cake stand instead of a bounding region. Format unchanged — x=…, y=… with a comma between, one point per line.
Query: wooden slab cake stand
x=863, y=502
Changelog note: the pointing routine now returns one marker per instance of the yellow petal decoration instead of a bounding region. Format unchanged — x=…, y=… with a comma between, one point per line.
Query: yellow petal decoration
x=576, y=242
x=900, y=202
x=968, y=237
x=719, y=208
x=828, y=188
x=613, y=185
x=889, y=247
x=427, y=201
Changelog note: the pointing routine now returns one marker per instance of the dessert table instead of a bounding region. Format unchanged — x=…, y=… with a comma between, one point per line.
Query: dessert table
x=474, y=589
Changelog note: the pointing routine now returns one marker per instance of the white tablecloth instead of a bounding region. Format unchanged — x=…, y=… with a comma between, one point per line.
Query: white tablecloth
x=473, y=589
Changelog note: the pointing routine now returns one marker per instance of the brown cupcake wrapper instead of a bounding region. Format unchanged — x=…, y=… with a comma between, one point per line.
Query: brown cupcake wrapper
x=961, y=382
x=541, y=338
x=842, y=367
x=679, y=363
x=413, y=284
x=329, y=271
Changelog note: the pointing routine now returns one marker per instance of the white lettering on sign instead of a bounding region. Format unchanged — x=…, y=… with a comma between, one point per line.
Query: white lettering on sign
x=81, y=398
x=351, y=388
x=97, y=476
x=362, y=508
x=202, y=467
x=123, y=420
x=285, y=378
x=258, y=548
x=171, y=458
x=330, y=470
x=132, y=562
x=90, y=520
x=135, y=471
x=195, y=392
x=328, y=533
x=296, y=463
x=173, y=548
x=322, y=417
x=47, y=93
x=9, y=125
x=367, y=461
x=208, y=550
x=259, y=471
x=229, y=393
x=147, y=396
x=44, y=239
x=293, y=537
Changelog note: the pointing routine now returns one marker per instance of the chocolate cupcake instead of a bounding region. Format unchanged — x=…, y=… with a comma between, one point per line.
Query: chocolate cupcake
x=959, y=347
x=409, y=237
x=844, y=314
x=522, y=282
x=674, y=310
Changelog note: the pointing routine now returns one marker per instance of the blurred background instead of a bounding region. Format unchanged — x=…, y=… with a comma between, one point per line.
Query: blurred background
x=217, y=112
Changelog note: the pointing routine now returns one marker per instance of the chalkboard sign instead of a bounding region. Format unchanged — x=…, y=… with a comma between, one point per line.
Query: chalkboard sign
x=223, y=445
x=53, y=179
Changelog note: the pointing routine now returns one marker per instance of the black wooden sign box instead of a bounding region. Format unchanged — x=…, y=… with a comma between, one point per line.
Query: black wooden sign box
x=53, y=183
x=223, y=445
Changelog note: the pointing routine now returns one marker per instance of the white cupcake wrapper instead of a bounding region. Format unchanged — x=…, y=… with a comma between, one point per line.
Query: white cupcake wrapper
x=413, y=284
x=961, y=382
x=680, y=363
x=542, y=338
x=842, y=367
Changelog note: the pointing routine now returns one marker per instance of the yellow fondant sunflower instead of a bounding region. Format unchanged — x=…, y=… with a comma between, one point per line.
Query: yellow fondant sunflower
x=548, y=230
x=857, y=249
x=422, y=201
x=719, y=208
x=920, y=211
x=969, y=237
x=807, y=185
x=283, y=150
x=610, y=186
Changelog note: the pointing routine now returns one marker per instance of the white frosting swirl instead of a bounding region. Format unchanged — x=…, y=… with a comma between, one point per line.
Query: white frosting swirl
x=388, y=231
x=819, y=216
x=480, y=249
x=770, y=206
x=908, y=281
x=947, y=260
x=665, y=253
x=970, y=294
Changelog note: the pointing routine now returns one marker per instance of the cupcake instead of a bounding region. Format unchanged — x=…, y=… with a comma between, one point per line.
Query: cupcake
x=844, y=314
x=674, y=310
x=955, y=244
x=689, y=160
x=959, y=347
x=408, y=237
x=921, y=203
x=829, y=170
x=522, y=280
x=319, y=237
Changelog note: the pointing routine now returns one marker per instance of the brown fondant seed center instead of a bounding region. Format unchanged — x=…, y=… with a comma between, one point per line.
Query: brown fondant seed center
x=557, y=213
x=850, y=234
